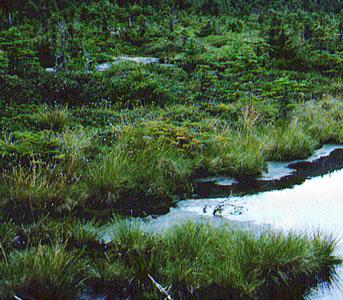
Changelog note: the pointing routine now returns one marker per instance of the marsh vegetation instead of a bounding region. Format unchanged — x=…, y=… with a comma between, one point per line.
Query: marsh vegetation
x=59, y=259
x=240, y=83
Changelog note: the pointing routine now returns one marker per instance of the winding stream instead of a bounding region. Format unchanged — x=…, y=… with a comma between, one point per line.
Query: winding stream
x=303, y=195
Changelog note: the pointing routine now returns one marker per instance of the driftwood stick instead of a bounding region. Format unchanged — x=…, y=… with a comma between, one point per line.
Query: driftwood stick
x=160, y=287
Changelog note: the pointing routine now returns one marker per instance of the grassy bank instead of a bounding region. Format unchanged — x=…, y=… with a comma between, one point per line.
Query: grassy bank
x=101, y=159
x=196, y=261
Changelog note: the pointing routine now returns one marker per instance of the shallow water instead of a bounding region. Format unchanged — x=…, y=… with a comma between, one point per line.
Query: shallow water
x=307, y=204
x=144, y=60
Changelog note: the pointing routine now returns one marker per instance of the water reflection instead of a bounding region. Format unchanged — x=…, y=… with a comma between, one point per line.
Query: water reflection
x=295, y=202
x=317, y=203
x=280, y=175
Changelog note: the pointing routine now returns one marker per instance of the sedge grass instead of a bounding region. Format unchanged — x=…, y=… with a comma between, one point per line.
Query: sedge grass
x=323, y=119
x=195, y=260
x=37, y=187
x=195, y=257
x=74, y=146
x=72, y=232
x=104, y=180
x=292, y=141
x=237, y=152
x=51, y=117
x=44, y=272
x=150, y=172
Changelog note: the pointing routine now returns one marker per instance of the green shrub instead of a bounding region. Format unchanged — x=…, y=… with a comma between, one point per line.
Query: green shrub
x=20, y=144
x=126, y=84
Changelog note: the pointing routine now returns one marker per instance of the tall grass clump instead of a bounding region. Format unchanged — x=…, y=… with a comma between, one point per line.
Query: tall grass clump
x=75, y=145
x=248, y=155
x=140, y=168
x=72, y=232
x=44, y=272
x=272, y=264
x=38, y=187
x=106, y=179
x=187, y=249
x=248, y=146
x=292, y=141
x=136, y=254
x=241, y=151
x=159, y=172
x=201, y=261
x=54, y=118
x=323, y=119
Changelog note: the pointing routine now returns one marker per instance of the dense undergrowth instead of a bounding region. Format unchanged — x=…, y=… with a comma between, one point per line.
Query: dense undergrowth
x=238, y=83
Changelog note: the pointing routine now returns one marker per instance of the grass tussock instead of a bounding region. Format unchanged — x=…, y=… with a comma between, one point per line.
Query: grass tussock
x=76, y=145
x=71, y=232
x=54, y=118
x=292, y=141
x=35, y=188
x=195, y=258
x=324, y=119
x=44, y=272
x=140, y=167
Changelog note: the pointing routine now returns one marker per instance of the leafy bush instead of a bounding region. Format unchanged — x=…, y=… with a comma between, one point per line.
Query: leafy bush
x=18, y=147
x=139, y=87
x=127, y=85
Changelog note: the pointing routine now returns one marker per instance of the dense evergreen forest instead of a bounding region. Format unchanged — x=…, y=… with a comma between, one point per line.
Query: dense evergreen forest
x=230, y=85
